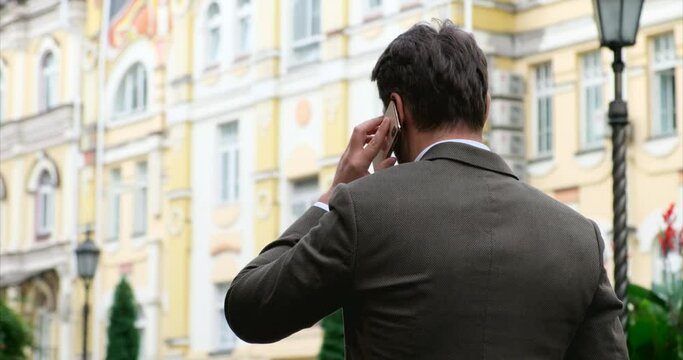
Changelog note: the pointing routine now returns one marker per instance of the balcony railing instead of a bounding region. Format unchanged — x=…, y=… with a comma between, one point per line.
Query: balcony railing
x=36, y=132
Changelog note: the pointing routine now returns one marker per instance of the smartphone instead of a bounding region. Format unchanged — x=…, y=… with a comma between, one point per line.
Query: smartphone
x=394, y=132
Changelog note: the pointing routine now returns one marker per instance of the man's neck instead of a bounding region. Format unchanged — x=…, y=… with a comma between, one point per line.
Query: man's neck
x=424, y=139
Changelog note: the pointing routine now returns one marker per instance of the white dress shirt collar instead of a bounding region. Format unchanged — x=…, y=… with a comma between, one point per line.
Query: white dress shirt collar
x=464, y=141
x=326, y=207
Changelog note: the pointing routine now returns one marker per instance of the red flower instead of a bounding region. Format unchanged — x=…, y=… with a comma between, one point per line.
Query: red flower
x=667, y=238
x=665, y=242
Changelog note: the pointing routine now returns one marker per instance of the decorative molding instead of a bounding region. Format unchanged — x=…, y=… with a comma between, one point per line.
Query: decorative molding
x=662, y=146
x=37, y=259
x=132, y=149
x=179, y=194
x=590, y=158
x=150, y=112
x=265, y=175
x=541, y=167
x=44, y=163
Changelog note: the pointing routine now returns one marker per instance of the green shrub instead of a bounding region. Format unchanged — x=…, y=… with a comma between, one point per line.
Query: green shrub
x=14, y=334
x=123, y=337
x=333, y=340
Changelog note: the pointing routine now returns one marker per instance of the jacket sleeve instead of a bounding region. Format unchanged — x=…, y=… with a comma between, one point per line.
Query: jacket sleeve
x=600, y=335
x=297, y=279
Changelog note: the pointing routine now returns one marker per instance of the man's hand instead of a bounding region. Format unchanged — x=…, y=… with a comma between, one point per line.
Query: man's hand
x=366, y=141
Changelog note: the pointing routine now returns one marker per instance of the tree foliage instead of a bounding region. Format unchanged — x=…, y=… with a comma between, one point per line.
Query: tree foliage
x=123, y=337
x=333, y=340
x=14, y=334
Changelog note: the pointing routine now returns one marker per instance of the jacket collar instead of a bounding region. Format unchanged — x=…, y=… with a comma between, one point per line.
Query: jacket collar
x=469, y=155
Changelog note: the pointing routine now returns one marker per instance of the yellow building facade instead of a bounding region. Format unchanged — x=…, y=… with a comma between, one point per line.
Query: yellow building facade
x=40, y=124
x=190, y=133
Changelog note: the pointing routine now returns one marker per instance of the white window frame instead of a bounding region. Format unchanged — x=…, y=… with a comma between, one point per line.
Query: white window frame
x=310, y=39
x=592, y=83
x=114, y=204
x=243, y=11
x=304, y=193
x=132, y=92
x=228, y=164
x=212, y=24
x=141, y=326
x=224, y=339
x=140, y=199
x=543, y=90
x=45, y=205
x=47, y=87
x=661, y=63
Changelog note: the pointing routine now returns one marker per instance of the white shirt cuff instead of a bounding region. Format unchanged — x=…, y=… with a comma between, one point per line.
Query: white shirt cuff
x=322, y=206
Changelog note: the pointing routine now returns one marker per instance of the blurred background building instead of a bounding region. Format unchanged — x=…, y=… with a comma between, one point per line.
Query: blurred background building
x=189, y=134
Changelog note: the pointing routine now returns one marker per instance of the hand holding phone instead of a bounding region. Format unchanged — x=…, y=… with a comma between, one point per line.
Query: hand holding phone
x=392, y=135
x=366, y=142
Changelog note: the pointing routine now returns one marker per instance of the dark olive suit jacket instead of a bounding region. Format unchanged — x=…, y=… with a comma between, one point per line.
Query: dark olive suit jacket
x=450, y=257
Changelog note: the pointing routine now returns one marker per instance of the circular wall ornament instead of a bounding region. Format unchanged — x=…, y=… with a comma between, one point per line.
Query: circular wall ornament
x=303, y=113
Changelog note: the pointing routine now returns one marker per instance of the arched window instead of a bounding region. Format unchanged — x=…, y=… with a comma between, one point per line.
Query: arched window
x=131, y=94
x=212, y=40
x=48, y=82
x=45, y=205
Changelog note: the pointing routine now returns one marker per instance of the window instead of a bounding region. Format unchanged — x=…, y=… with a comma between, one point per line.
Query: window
x=591, y=100
x=225, y=339
x=228, y=162
x=131, y=95
x=114, y=204
x=374, y=4
x=48, y=82
x=140, y=325
x=140, y=200
x=304, y=194
x=213, y=34
x=306, y=30
x=244, y=29
x=664, y=85
x=116, y=7
x=543, y=107
x=45, y=205
x=42, y=349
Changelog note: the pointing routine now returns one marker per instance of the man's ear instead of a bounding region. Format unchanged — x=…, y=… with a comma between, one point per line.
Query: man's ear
x=486, y=112
x=398, y=100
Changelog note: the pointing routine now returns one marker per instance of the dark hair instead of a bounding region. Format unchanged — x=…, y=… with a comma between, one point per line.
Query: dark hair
x=440, y=74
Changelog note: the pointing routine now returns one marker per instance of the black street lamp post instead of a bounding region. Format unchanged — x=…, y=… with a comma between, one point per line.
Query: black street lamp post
x=618, y=22
x=87, y=255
